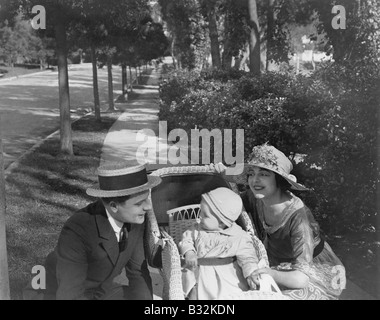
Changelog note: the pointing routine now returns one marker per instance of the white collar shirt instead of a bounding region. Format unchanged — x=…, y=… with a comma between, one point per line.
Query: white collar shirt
x=116, y=225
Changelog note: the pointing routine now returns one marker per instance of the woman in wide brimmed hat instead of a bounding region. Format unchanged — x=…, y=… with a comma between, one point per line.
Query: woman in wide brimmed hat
x=302, y=263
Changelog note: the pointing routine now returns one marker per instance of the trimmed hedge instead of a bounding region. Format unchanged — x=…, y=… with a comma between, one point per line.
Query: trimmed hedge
x=328, y=120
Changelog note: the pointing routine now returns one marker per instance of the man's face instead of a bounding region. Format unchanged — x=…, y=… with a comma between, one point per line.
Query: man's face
x=133, y=210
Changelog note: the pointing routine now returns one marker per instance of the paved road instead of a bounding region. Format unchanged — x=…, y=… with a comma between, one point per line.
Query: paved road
x=29, y=105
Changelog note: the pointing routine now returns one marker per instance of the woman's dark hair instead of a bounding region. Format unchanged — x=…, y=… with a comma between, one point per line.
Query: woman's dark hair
x=282, y=183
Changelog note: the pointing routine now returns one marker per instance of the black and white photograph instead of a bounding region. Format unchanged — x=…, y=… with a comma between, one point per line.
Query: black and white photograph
x=203, y=151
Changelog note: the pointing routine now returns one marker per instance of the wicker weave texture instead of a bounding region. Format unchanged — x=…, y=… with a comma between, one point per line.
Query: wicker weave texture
x=181, y=219
x=171, y=270
x=152, y=237
x=182, y=170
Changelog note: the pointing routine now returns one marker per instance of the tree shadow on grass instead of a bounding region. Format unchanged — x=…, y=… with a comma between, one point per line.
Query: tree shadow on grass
x=44, y=191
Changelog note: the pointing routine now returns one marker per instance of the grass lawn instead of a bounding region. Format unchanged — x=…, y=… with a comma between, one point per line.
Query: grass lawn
x=359, y=253
x=44, y=191
x=9, y=72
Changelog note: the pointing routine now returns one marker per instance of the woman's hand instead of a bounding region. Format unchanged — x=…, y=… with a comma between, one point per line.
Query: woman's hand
x=219, y=167
x=253, y=281
x=191, y=260
x=267, y=270
x=290, y=279
x=254, y=278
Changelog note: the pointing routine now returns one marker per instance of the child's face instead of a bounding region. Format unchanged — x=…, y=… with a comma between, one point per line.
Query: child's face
x=207, y=220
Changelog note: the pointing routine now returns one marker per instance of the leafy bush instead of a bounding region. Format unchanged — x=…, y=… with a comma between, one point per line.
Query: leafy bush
x=222, y=75
x=342, y=141
x=326, y=122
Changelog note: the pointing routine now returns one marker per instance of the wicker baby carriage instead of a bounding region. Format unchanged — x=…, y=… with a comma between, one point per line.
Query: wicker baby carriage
x=175, y=207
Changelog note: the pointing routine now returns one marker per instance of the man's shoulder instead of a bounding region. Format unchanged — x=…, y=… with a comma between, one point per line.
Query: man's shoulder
x=85, y=216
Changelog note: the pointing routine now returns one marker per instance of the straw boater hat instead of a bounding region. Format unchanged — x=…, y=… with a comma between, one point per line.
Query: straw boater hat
x=224, y=204
x=270, y=158
x=119, y=180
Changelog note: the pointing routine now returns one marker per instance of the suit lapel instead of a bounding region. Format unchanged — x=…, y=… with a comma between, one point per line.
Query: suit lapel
x=106, y=234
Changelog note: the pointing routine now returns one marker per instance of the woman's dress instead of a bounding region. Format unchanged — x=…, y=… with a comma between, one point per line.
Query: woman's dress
x=296, y=243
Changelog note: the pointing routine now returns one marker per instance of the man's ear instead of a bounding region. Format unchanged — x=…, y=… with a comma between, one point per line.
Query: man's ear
x=113, y=206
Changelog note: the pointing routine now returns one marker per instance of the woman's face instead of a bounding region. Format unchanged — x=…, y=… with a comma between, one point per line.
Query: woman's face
x=207, y=220
x=262, y=182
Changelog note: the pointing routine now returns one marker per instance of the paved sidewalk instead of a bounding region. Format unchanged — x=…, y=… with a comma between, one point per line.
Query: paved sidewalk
x=140, y=118
x=138, y=126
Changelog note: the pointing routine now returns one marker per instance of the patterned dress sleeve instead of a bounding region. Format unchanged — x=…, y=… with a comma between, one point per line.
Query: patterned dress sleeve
x=302, y=242
x=246, y=255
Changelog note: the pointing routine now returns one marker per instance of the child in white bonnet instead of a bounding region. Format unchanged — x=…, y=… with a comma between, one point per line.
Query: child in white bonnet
x=220, y=252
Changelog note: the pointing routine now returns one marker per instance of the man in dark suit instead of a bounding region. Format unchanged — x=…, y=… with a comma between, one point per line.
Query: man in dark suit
x=97, y=242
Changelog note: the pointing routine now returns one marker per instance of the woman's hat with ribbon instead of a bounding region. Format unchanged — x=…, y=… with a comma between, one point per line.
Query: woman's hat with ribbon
x=119, y=180
x=225, y=204
x=270, y=158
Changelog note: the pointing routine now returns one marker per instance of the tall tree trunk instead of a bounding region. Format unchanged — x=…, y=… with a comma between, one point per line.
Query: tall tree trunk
x=378, y=171
x=242, y=59
x=227, y=52
x=131, y=78
x=95, y=84
x=270, y=32
x=213, y=30
x=254, y=39
x=172, y=53
x=80, y=52
x=359, y=7
x=64, y=95
x=4, y=275
x=137, y=76
x=123, y=79
x=111, y=106
x=297, y=63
